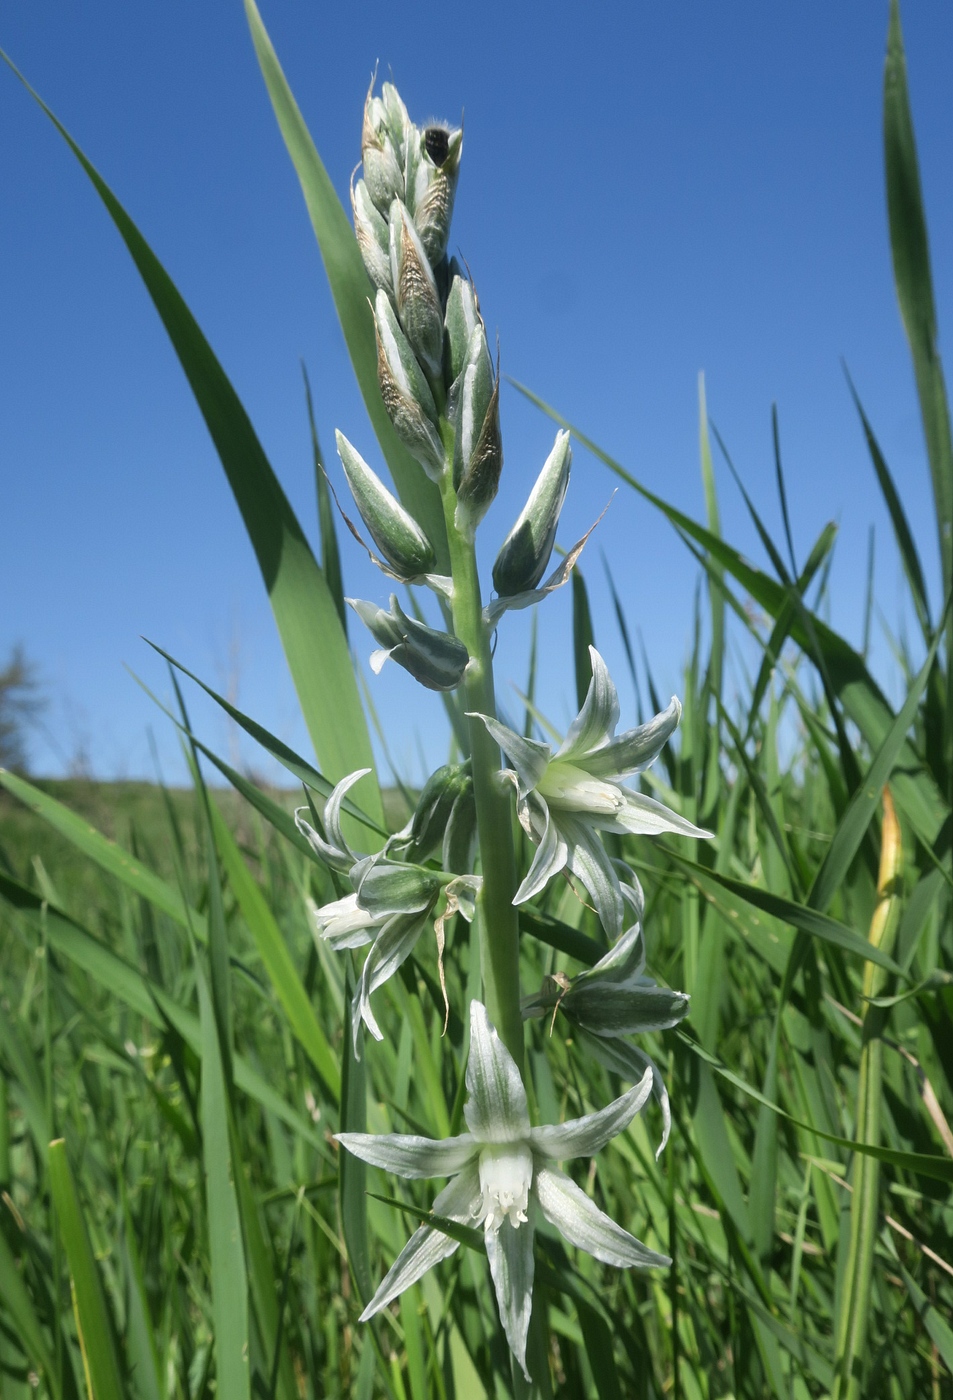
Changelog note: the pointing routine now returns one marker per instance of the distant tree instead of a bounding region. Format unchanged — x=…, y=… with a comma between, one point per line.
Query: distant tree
x=20, y=704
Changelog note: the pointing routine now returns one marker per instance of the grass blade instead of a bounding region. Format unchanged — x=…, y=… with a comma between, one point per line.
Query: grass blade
x=909, y=556
x=110, y=857
x=853, y=825
x=274, y=953
x=910, y=249
x=92, y=1319
x=330, y=554
x=226, y=1252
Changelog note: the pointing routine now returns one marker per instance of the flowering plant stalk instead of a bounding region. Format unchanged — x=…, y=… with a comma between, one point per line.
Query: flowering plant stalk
x=441, y=390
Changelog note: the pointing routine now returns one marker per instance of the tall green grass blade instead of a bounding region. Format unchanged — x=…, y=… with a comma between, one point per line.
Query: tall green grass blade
x=147, y=999
x=273, y=951
x=582, y=636
x=716, y=599
x=807, y=920
x=626, y=640
x=598, y=1343
x=852, y=1321
x=19, y=1309
x=92, y=1317
x=909, y=557
x=314, y=644
x=352, y=1173
x=287, y=757
x=853, y=825
x=350, y=288
x=141, y=1348
x=330, y=554
x=110, y=857
x=909, y=246
x=937, y=1327
x=229, y=1278
x=782, y=492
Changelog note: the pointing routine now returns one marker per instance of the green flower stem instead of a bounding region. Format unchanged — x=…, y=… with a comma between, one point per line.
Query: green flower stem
x=853, y=1312
x=496, y=916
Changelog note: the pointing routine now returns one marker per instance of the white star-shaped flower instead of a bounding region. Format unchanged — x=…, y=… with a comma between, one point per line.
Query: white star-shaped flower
x=499, y=1169
x=566, y=798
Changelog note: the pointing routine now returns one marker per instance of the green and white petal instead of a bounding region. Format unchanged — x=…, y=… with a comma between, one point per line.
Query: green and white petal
x=335, y=851
x=629, y=1062
x=496, y=1110
x=343, y=923
x=392, y=947
x=551, y=856
x=410, y=1156
x=584, y=1137
x=624, y=963
x=589, y=860
x=643, y=816
x=394, y=887
x=607, y=1009
x=510, y=1252
x=459, y=1201
x=636, y=749
x=582, y=1223
x=597, y=719
x=528, y=757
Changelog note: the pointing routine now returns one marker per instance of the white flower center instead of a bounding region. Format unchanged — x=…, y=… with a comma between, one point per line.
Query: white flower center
x=565, y=785
x=506, y=1174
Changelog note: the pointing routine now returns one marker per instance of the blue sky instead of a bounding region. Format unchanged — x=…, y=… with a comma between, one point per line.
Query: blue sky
x=647, y=191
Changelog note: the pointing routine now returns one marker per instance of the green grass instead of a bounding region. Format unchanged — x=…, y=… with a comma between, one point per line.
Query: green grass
x=174, y=1043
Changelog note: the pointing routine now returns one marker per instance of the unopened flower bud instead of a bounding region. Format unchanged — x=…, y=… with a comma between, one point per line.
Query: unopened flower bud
x=390, y=887
x=434, y=186
x=525, y=554
x=373, y=237
x=461, y=319
x=418, y=302
x=405, y=390
x=478, y=446
x=434, y=658
x=395, y=532
x=382, y=147
x=444, y=789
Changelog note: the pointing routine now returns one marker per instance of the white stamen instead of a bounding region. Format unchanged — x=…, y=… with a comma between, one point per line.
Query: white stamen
x=506, y=1174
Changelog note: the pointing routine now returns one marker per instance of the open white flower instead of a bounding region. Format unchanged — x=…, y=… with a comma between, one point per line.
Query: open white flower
x=392, y=903
x=566, y=798
x=498, y=1169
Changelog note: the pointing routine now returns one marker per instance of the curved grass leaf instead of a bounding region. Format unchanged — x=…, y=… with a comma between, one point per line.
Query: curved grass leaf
x=910, y=249
x=920, y=1163
x=807, y=920
x=229, y=1278
x=273, y=952
x=92, y=1318
x=853, y=825
x=915, y=789
x=311, y=634
x=350, y=288
x=898, y=519
x=110, y=857
x=300, y=767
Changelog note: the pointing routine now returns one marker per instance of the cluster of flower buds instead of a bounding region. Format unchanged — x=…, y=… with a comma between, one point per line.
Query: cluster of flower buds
x=392, y=901
x=441, y=390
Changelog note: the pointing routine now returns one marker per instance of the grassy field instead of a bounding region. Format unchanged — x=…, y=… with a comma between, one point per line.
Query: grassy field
x=177, y=1219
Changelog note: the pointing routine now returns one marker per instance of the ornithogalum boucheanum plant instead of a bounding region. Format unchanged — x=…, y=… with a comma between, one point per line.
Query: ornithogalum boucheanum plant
x=458, y=854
